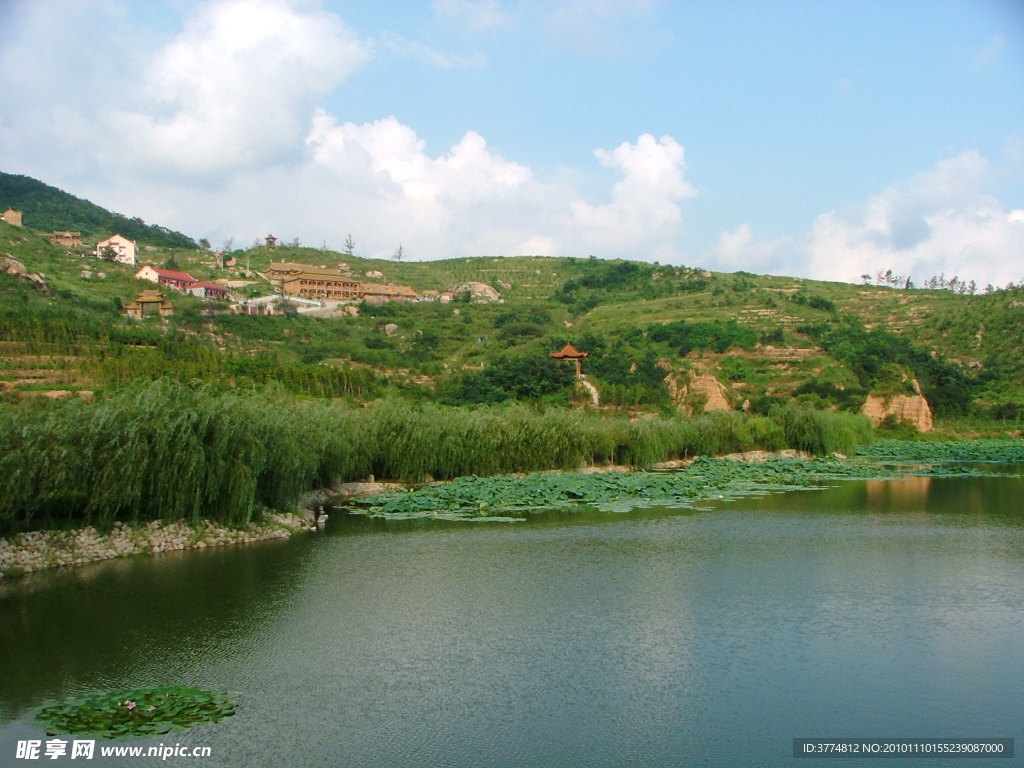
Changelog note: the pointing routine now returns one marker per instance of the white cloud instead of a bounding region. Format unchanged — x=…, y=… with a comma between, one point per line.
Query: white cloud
x=940, y=221
x=737, y=250
x=472, y=200
x=475, y=15
x=596, y=24
x=219, y=130
x=644, y=214
x=235, y=88
x=398, y=47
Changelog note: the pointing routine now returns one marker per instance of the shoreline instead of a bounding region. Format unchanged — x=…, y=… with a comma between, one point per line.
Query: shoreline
x=34, y=551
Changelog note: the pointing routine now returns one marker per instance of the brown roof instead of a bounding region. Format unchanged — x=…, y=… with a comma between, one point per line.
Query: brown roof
x=568, y=352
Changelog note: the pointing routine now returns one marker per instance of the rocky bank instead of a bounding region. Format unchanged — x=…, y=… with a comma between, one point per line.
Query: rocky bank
x=37, y=550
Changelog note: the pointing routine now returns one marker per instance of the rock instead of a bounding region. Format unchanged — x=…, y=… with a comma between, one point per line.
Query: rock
x=908, y=409
x=375, y=273
x=479, y=292
x=702, y=393
x=11, y=266
x=390, y=329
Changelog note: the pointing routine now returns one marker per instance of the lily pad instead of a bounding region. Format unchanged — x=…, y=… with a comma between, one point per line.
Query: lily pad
x=137, y=713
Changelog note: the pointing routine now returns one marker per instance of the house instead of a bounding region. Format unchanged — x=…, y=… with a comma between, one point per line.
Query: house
x=180, y=281
x=12, y=217
x=66, y=239
x=322, y=284
x=117, y=248
x=149, y=304
x=207, y=290
x=377, y=293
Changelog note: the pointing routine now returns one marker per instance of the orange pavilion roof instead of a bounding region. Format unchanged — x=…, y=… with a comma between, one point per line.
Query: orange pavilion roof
x=569, y=352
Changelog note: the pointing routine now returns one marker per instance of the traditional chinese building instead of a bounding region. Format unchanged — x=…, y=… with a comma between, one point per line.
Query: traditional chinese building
x=322, y=285
x=66, y=239
x=568, y=352
x=149, y=304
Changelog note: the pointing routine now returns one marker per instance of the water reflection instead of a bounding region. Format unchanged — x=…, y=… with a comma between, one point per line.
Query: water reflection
x=577, y=638
x=136, y=621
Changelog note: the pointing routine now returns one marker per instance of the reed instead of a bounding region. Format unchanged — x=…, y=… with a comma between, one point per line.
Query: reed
x=166, y=449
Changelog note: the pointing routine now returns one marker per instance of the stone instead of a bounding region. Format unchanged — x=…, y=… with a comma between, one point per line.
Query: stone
x=479, y=292
x=908, y=409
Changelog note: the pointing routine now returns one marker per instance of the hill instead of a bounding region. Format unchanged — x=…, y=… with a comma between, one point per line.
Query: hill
x=47, y=208
x=653, y=333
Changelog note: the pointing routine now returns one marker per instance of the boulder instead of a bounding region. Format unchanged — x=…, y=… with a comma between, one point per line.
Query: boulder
x=479, y=292
x=11, y=266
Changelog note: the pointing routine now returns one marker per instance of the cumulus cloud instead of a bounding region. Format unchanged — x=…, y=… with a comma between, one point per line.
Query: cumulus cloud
x=235, y=88
x=737, y=250
x=940, y=221
x=219, y=130
x=473, y=200
x=644, y=212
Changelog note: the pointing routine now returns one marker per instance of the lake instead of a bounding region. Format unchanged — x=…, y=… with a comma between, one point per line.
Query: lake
x=662, y=637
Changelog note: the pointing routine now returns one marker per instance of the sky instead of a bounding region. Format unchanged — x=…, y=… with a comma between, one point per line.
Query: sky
x=816, y=138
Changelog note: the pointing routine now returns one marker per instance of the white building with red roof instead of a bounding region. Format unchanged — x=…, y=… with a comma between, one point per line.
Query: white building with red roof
x=208, y=290
x=180, y=281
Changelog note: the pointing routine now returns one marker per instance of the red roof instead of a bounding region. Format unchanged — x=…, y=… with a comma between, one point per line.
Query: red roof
x=568, y=352
x=217, y=286
x=170, y=274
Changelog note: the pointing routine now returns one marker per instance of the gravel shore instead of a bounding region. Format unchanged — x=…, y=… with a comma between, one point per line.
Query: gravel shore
x=38, y=550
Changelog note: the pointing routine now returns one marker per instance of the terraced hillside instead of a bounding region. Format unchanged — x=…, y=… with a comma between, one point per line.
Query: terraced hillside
x=650, y=329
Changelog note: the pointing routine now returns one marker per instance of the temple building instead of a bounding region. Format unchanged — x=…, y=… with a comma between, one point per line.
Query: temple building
x=149, y=304
x=568, y=352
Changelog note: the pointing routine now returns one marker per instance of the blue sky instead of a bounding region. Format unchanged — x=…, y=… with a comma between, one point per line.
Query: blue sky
x=822, y=138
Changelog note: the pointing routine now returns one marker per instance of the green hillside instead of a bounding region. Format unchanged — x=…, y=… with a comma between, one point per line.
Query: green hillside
x=648, y=329
x=47, y=208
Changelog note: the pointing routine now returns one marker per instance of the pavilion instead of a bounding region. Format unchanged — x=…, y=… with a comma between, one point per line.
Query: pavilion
x=569, y=352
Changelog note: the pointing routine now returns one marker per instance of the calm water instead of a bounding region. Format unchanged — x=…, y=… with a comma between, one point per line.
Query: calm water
x=659, y=638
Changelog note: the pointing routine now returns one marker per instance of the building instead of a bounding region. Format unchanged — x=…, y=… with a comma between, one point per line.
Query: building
x=569, y=352
x=179, y=281
x=119, y=249
x=322, y=285
x=208, y=290
x=66, y=239
x=12, y=217
x=149, y=304
x=376, y=293
x=306, y=281
x=282, y=270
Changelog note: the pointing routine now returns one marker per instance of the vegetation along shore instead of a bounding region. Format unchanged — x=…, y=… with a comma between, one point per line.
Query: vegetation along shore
x=150, y=381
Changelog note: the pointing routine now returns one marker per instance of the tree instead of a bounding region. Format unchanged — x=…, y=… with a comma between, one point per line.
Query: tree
x=204, y=244
x=350, y=246
x=398, y=254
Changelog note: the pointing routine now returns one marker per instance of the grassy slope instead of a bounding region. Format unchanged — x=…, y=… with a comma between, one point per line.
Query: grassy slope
x=968, y=329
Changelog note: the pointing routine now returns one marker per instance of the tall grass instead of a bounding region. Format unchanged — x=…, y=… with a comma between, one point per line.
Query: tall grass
x=165, y=449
